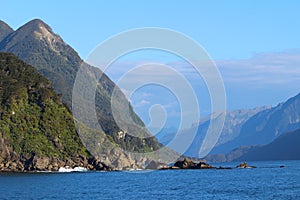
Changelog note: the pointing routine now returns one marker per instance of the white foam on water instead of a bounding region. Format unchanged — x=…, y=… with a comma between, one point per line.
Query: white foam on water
x=75, y=169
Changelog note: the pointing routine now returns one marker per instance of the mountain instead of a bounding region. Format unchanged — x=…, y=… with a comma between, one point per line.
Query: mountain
x=5, y=30
x=266, y=126
x=234, y=120
x=37, y=44
x=285, y=147
x=37, y=131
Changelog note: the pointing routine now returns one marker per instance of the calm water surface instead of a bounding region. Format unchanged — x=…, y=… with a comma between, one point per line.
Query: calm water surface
x=268, y=181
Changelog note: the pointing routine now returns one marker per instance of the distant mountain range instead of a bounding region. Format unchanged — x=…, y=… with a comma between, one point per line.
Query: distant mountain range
x=234, y=121
x=243, y=129
x=271, y=134
x=285, y=147
x=265, y=126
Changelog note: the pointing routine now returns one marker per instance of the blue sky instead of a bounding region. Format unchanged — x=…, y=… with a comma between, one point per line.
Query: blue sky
x=254, y=43
x=227, y=29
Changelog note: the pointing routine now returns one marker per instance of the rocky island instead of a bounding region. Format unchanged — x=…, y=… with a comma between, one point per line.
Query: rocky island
x=187, y=163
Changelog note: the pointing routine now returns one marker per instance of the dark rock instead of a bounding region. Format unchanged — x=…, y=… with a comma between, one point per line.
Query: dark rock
x=185, y=164
x=98, y=165
x=203, y=165
x=189, y=164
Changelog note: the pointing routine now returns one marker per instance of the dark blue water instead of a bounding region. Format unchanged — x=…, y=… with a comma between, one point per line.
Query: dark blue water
x=268, y=181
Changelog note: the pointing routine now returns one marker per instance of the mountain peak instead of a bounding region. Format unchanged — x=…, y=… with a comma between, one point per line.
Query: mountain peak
x=5, y=30
x=37, y=24
x=5, y=25
x=37, y=29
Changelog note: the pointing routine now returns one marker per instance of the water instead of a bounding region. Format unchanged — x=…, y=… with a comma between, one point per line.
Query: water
x=268, y=181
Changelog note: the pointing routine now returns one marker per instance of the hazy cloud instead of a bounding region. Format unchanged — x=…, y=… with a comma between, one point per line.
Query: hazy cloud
x=264, y=69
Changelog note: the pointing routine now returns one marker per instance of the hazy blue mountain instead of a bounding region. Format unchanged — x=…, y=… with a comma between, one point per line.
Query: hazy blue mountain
x=232, y=126
x=266, y=125
x=165, y=135
x=285, y=147
x=5, y=30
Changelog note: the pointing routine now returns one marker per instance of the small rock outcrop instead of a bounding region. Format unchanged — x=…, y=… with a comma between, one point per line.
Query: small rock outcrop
x=244, y=165
x=187, y=163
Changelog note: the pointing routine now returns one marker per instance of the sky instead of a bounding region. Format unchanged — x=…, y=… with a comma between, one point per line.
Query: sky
x=255, y=44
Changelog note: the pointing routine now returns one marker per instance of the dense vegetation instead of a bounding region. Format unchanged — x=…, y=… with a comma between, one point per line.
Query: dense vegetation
x=32, y=118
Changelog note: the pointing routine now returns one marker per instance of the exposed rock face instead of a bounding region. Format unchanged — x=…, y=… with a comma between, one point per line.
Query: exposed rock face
x=121, y=161
x=156, y=165
x=40, y=163
x=11, y=161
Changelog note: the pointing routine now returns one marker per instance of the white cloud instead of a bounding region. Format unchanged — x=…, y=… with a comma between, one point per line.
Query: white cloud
x=142, y=103
x=263, y=69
